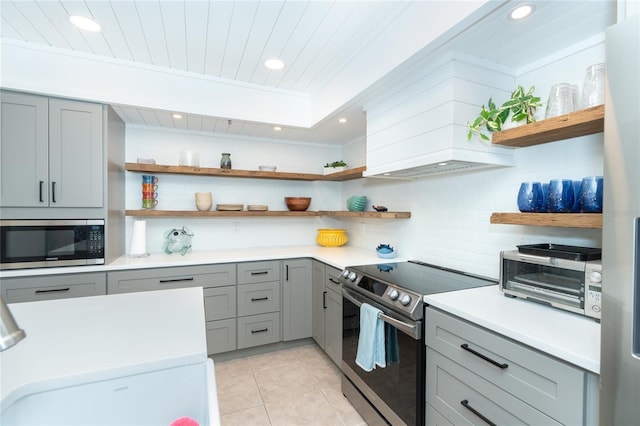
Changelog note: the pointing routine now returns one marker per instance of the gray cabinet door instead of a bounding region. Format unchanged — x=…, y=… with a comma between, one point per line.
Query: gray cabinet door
x=75, y=154
x=333, y=326
x=297, y=298
x=24, y=152
x=318, y=303
x=48, y=287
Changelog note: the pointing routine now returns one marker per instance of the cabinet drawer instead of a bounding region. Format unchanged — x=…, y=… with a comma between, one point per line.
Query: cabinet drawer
x=258, y=272
x=258, y=330
x=258, y=298
x=433, y=418
x=165, y=278
x=221, y=336
x=333, y=279
x=219, y=303
x=450, y=387
x=543, y=382
x=31, y=289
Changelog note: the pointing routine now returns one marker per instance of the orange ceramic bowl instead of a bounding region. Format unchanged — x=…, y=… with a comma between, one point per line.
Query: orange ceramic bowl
x=297, y=204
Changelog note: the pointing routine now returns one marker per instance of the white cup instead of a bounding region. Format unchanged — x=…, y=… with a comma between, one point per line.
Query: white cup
x=189, y=158
x=204, y=201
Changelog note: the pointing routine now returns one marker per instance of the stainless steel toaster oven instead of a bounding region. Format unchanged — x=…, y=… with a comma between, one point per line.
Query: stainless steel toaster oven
x=572, y=285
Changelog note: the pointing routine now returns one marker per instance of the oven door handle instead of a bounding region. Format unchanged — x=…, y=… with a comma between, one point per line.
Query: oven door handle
x=412, y=330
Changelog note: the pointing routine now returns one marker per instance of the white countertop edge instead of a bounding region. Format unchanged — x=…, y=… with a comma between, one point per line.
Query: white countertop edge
x=564, y=335
x=338, y=257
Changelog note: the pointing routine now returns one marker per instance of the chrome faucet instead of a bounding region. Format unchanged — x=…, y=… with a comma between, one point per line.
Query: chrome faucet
x=10, y=333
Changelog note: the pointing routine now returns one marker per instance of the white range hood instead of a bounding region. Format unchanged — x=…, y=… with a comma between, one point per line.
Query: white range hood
x=420, y=128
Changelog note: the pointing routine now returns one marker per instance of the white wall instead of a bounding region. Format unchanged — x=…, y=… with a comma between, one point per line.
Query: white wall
x=176, y=192
x=450, y=213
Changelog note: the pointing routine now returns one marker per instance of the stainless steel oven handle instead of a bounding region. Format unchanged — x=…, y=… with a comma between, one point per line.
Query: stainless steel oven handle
x=412, y=330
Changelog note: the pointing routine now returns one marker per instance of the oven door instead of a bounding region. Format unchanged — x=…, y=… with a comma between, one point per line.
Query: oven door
x=396, y=391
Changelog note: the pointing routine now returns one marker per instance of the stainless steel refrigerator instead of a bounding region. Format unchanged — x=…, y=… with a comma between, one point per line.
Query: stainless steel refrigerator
x=620, y=350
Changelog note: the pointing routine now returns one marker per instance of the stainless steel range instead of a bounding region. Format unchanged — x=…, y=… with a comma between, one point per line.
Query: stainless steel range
x=394, y=394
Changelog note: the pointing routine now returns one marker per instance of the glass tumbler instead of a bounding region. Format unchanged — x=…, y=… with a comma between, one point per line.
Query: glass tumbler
x=530, y=198
x=594, y=85
x=560, y=100
x=561, y=195
x=591, y=194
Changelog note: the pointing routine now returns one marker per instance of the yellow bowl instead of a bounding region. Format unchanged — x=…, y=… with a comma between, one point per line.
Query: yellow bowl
x=332, y=237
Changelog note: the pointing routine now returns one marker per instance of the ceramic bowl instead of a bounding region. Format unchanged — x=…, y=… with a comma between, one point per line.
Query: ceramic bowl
x=297, y=204
x=328, y=237
x=389, y=255
x=267, y=168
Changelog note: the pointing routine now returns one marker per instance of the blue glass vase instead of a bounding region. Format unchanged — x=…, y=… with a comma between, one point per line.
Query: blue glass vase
x=530, y=197
x=561, y=195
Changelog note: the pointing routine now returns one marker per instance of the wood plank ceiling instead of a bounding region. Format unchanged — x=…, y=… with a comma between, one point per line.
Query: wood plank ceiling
x=231, y=39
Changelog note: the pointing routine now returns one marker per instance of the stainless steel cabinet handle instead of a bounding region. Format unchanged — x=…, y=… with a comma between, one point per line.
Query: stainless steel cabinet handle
x=484, y=357
x=53, y=192
x=176, y=280
x=465, y=404
x=259, y=273
x=262, y=330
x=257, y=299
x=54, y=290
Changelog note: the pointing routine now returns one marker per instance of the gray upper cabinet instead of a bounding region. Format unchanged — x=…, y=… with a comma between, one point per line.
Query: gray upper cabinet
x=51, y=152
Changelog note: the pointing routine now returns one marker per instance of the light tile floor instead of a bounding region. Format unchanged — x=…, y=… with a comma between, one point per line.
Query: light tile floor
x=291, y=387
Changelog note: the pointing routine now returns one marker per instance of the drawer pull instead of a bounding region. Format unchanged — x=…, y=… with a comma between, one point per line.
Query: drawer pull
x=333, y=280
x=486, y=358
x=257, y=299
x=466, y=405
x=54, y=290
x=260, y=273
x=176, y=280
x=262, y=330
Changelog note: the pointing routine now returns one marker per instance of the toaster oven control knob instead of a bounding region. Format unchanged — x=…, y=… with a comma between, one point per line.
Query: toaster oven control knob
x=393, y=294
x=352, y=276
x=405, y=299
x=595, y=277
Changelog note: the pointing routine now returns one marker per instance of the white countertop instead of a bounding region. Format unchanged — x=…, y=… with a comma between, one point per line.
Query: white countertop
x=570, y=337
x=89, y=339
x=338, y=257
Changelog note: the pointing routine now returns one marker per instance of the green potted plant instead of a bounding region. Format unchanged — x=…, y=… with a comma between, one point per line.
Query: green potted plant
x=336, y=166
x=520, y=108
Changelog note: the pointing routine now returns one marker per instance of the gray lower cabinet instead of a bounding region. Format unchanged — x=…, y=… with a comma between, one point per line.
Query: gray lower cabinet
x=219, y=290
x=51, y=152
x=48, y=287
x=258, y=303
x=475, y=375
x=327, y=310
x=297, y=287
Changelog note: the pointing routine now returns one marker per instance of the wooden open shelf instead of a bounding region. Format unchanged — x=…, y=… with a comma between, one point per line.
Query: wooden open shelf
x=348, y=174
x=565, y=220
x=269, y=213
x=579, y=123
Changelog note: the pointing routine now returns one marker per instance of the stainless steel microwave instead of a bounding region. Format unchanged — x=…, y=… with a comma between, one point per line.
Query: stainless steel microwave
x=51, y=243
x=572, y=285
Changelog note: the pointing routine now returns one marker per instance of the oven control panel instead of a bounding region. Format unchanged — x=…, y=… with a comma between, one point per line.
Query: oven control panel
x=390, y=295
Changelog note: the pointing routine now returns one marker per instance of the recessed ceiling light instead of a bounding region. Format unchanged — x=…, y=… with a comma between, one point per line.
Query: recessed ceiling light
x=342, y=120
x=274, y=64
x=85, y=23
x=521, y=12
x=277, y=128
x=176, y=115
